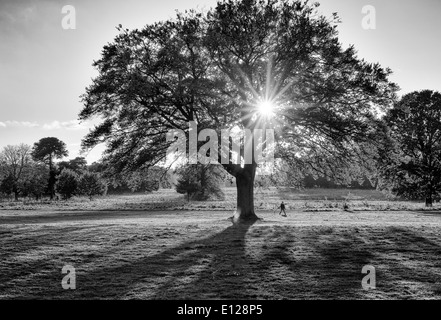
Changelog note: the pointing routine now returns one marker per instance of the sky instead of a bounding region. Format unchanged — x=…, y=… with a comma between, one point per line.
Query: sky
x=44, y=68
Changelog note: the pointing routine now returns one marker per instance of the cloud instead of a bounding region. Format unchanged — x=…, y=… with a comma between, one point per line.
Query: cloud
x=15, y=124
x=68, y=125
x=54, y=125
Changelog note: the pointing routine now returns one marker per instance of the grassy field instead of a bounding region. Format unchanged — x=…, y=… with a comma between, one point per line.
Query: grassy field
x=126, y=253
x=265, y=199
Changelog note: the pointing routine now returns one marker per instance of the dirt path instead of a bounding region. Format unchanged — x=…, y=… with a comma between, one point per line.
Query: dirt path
x=299, y=218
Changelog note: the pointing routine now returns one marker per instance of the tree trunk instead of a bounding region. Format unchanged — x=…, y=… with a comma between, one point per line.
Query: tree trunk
x=429, y=201
x=245, y=195
x=52, y=181
x=16, y=195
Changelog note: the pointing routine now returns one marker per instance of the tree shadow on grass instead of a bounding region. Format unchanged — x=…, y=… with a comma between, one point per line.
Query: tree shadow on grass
x=416, y=266
x=317, y=263
x=261, y=261
x=13, y=243
x=326, y=263
x=320, y=264
x=31, y=260
x=209, y=268
x=428, y=213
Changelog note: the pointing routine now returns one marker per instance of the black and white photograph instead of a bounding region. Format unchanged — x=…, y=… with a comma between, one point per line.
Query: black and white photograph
x=219, y=155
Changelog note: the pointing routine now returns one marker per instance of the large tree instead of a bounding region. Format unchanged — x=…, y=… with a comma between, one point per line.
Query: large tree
x=47, y=150
x=218, y=68
x=410, y=159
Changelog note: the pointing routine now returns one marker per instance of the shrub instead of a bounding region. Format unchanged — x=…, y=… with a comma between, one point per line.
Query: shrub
x=91, y=184
x=67, y=184
x=7, y=185
x=201, y=182
x=34, y=183
x=187, y=185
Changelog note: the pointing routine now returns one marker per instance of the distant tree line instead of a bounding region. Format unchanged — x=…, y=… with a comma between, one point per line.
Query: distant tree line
x=31, y=172
x=321, y=182
x=20, y=174
x=140, y=180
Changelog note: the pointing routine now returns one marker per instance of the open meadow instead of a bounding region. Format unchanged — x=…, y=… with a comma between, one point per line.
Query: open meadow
x=265, y=199
x=192, y=251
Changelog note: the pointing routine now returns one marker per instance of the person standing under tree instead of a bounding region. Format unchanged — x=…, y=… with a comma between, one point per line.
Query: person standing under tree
x=282, y=208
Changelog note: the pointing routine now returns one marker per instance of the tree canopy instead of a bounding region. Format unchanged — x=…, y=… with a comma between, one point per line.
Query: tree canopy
x=79, y=164
x=49, y=149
